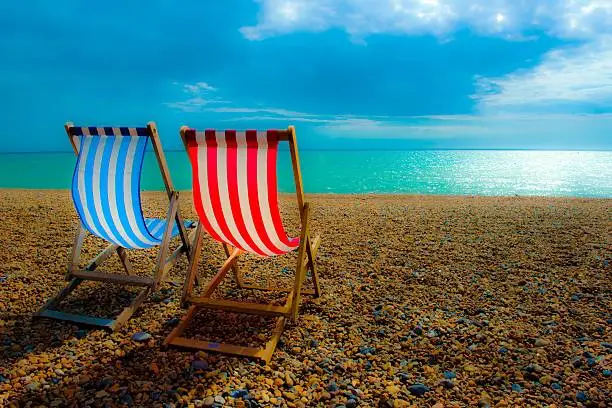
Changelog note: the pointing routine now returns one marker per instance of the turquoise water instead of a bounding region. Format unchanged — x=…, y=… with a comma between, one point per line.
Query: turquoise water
x=483, y=172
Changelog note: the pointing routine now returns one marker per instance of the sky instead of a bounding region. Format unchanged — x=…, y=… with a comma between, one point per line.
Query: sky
x=349, y=74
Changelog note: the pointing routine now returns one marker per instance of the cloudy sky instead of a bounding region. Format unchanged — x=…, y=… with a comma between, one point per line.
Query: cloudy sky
x=347, y=73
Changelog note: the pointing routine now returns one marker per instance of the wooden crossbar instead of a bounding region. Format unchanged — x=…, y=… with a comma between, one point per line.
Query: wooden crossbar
x=218, y=278
x=242, y=307
x=77, y=318
x=100, y=276
x=101, y=257
x=264, y=354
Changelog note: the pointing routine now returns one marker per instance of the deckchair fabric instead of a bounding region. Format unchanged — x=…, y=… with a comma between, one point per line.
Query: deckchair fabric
x=106, y=187
x=235, y=189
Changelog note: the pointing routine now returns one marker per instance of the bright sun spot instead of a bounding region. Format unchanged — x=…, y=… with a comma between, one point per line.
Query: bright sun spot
x=499, y=17
x=289, y=11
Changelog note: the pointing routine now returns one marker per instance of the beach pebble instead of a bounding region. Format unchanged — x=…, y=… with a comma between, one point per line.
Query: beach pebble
x=141, y=336
x=541, y=342
x=199, y=365
x=418, y=389
x=33, y=386
x=581, y=396
x=172, y=321
x=517, y=388
x=242, y=393
x=449, y=375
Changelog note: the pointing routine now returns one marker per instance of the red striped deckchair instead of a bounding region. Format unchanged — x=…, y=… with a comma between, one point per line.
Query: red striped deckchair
x=235, y=196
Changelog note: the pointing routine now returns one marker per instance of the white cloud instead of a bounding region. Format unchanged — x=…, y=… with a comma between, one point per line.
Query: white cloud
x=273, y=111
x=198, y=87
x=200, y=95
x=359, y=18
x=566, y=79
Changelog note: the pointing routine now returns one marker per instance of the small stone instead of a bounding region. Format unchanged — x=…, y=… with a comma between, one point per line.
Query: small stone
x=127, y=399
x=199, y=365
x=484, y=403
x=448, y=384
x=351, y=403
x=209, y=401
x=242, y=393
x=332, y=387
x=33, y=386
x=393, y=389
x=541, y=342
x=367, y=350
x=606, y=345
x=517, y=388
x=79, y=334
x=555, y=386
x=141, y=336
x=449, y=375
x=172, y=322
x=545, y=379
x=418, y=389
x=607, y=373
x=101, y=394
x=219, y=400
x=581, y=396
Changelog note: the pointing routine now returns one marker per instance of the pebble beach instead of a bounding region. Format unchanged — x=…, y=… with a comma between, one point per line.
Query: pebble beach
x=428, y=301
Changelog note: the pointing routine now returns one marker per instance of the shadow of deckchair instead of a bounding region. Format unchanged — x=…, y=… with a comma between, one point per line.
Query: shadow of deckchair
x=106, y=195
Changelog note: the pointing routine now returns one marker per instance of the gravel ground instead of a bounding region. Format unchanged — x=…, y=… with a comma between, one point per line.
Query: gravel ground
x=427, y=301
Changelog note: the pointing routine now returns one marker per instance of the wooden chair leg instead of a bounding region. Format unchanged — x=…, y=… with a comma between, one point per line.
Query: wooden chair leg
x=128, y=311
x=75, y=255
x=124, y=260
x=235, y=268
x=54, y=301
x=312, y=265
x=163, y=247
x=196, y=250
x=300, y=273
x=101, y=257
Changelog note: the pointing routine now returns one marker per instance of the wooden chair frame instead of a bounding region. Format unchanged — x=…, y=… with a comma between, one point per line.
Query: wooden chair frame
x=307, y=251
x=75, y=276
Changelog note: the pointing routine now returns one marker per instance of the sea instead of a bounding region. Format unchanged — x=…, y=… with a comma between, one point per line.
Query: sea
x=446, y=172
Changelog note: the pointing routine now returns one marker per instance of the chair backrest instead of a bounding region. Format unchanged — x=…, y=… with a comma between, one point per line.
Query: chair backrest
x=106, y=184
x=235, y=188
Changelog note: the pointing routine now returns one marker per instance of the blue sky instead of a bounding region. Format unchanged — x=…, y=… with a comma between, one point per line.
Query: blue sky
x=346, y=73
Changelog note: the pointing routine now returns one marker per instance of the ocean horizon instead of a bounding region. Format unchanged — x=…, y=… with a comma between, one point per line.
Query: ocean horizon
x=487, y=172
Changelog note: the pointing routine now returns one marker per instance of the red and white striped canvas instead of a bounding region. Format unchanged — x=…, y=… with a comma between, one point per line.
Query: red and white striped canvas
x=235, y=189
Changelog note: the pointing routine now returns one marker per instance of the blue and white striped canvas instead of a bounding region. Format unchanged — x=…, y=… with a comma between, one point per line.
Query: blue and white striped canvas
x=106, y=189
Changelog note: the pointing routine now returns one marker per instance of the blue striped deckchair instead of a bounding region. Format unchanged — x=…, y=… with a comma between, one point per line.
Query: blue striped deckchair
x=106, y=196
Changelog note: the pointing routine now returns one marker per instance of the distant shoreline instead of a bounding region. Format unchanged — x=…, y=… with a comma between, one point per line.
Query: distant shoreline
x=349, y=195
x=373, y=150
